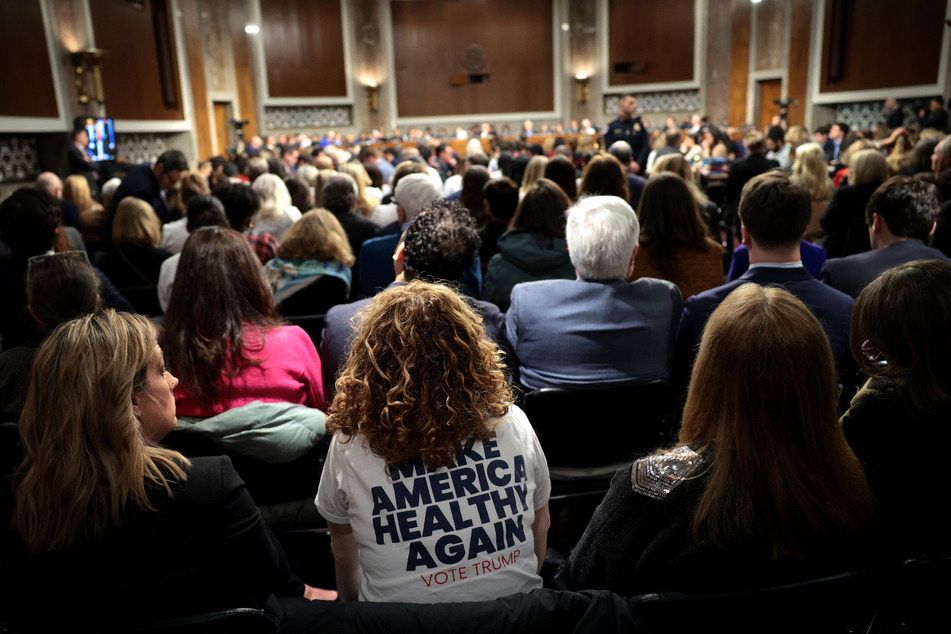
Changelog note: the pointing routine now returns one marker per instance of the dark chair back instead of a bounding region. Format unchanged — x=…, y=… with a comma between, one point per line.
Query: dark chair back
x=583, y=431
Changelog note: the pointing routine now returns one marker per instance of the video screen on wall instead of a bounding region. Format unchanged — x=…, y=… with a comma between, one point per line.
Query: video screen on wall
x=102, y=139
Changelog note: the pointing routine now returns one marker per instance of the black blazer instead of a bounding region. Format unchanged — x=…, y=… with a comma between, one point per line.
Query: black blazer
x=204, y=548
x=844, y=221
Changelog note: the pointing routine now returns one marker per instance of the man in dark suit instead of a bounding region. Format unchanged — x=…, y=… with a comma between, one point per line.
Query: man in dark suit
x=900, y=215
x=413, y=193
x=149, y=182
x=742, y=171
x=775, y=213
x=621, y=150
x=440, y=245
x=598, y=330
x=79, y=162
x=936, y=117
x=833, y=145
x=895, y=117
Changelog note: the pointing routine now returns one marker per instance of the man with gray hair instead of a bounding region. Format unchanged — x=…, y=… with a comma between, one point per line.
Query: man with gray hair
x=599, y=330
x=621, y=150
x=412, y=193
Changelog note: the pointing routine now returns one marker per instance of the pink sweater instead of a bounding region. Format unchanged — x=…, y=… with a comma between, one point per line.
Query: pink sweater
x=289, y=372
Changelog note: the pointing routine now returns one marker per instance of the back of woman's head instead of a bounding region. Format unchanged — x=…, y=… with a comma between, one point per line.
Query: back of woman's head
x=561, y=170
x=421, y=378
x=136, y=223
x=534, y=170
x=85, y=453
x=920, y=160
x=273, y=193
x=678, y=164
x=867, y=166
x=219, y=291
x=318, y=235
x=810, y=170
x=899, y=331
x=61, y=287
x=300, y=194
x=473, y=196
x=193, y=184
x=604, y=176
x=670, y=220
x=780, y=460
x=76, y=190
x=321, y=179
x=542, y=211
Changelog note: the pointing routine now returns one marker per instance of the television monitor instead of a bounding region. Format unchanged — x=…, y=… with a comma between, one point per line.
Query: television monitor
x=102, y=139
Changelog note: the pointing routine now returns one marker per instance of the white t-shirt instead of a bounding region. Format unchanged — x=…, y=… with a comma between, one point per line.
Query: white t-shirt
x=460, y=533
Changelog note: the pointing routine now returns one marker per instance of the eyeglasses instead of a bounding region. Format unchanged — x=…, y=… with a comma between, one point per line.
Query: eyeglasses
x=36, y=259
x=873, y=357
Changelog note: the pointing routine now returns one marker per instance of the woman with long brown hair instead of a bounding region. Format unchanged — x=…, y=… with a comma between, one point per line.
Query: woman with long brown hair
x=604, y=176
x=223, y=334
x=761, y=487
x=435, y=487
x=534, y=247
x=899, y=336
x=674, y=244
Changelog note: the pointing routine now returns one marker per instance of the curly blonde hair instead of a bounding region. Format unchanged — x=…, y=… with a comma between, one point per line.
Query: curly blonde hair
x=422, y=377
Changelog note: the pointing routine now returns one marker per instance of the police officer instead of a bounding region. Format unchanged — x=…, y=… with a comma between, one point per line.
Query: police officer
x=629, y=128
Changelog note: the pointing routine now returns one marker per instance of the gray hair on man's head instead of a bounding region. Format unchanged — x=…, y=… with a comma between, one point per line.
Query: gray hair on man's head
x=602, y=232
x=621, y=150
x=414, y=192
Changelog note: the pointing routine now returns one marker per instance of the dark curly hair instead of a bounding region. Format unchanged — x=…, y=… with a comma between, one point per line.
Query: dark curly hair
x=422, y=378
x=440, y=242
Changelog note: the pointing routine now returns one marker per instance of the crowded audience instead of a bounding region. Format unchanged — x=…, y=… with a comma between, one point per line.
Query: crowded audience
x=355, y=320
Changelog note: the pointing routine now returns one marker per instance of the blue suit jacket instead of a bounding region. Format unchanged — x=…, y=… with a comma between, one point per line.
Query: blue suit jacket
x=339, y=328
x=853, y=273
x=830, y=306
x=581, y=334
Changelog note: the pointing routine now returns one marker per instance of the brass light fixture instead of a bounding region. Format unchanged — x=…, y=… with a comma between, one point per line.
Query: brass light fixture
x=582, y=90
x=87, y=63
x=373, y=96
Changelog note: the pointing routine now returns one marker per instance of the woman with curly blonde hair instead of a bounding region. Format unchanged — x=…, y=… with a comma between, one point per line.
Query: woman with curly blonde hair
x=435, y=487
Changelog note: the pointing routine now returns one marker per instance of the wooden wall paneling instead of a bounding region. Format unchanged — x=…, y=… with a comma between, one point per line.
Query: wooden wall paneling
x=135, y=63
x=196, y=72
x=883, y=45
x=244, y=75
x=303, y=48
x=797, y=76
x=739, y=61
x=769, y=92
x=655, y=38
x=770, y=34
x=26, y=64
x=439, y=43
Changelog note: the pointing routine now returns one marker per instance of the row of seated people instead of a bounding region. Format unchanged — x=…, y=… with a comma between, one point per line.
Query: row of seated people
x=314, y=274
x=436, y=489
x=605, y=204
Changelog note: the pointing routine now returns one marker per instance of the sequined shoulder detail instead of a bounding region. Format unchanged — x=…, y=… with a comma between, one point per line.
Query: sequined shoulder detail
x=657, y=475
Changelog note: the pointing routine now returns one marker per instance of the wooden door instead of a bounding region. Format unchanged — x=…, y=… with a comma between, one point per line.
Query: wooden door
x=222, y=127
x=770, y=90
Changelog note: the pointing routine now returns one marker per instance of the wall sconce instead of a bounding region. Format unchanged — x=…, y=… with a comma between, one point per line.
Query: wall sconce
x=373, y=96
x=582, y=90
x=84, y=62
